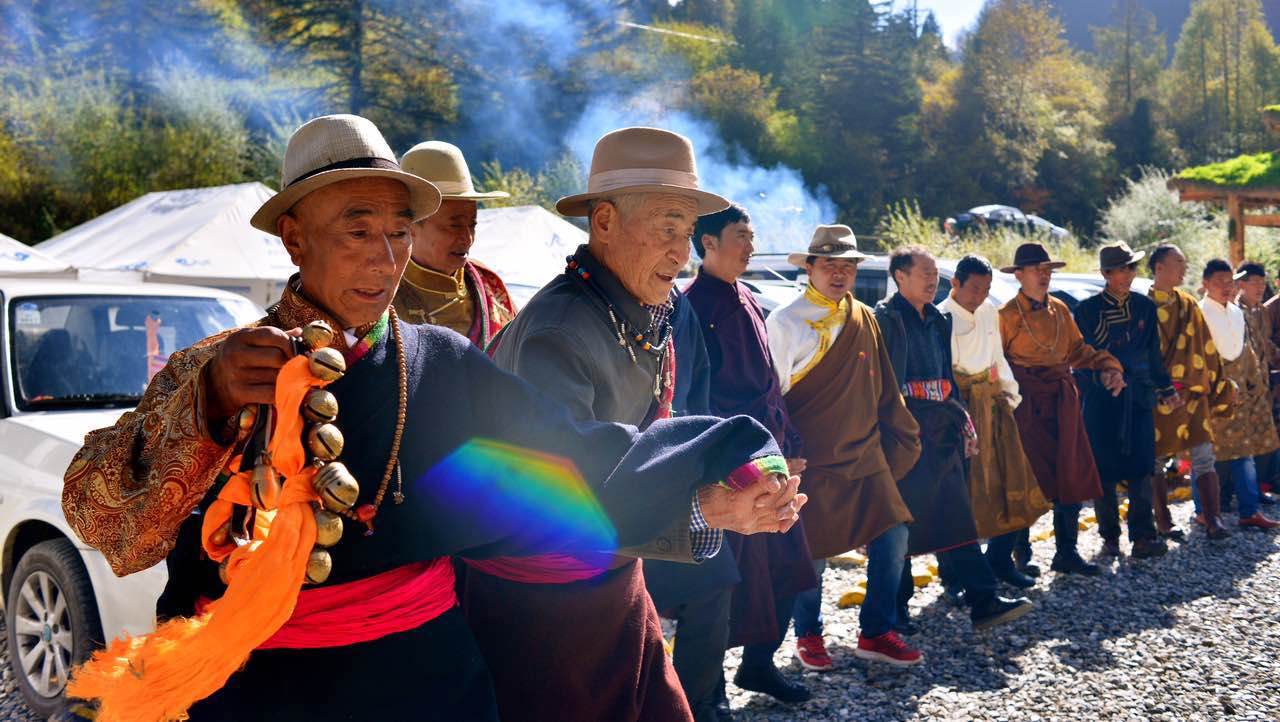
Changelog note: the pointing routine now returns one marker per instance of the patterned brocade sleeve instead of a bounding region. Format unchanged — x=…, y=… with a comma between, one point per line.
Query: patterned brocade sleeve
x=132, y=485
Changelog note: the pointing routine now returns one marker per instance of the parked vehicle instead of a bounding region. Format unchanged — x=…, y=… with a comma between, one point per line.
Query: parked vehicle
x=998, y=216
x=76, y=356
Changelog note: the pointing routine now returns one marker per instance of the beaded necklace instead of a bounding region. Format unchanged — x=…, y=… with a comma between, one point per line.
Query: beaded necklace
x=1057, y=326
x=621, y=330
x=366, y=512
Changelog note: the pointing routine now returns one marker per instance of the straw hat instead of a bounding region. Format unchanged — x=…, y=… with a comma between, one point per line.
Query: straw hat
x=334, y=148
x=640, y=160
x=1031, y=254
x=835, y=241
x=442, y=164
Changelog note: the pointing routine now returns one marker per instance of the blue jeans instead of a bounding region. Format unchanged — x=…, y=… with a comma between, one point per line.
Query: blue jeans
x=1244, y=474
x=808, y=609
x=886, y=555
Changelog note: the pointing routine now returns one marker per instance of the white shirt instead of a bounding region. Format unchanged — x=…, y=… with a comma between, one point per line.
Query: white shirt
x=1226, y=325
x=792, y=341
x=976, y=345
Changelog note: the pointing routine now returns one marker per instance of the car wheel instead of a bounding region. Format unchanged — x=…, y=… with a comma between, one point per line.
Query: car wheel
x=52, y=622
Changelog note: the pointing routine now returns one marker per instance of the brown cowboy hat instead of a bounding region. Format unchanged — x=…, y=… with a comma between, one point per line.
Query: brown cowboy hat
x=1118, y=255
x=835, y=241
x=443, y=164
x=1031, y=254
x=334, y=148
x=640, y=160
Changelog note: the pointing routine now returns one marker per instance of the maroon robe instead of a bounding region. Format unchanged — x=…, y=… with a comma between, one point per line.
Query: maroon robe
x=774, y=567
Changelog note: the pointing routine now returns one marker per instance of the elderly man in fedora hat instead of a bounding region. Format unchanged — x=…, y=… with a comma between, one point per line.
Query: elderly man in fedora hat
x=1122, y=429
x=377, y=631
x=1043, y=345
x=775, y=567
x=442, y=284
x=563, y=638
x=859, y=438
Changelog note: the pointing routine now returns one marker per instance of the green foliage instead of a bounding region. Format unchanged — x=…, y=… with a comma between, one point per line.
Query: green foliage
x=560, y=177
x=1261, y=170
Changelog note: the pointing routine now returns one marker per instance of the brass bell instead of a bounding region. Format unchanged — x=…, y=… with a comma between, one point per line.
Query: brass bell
x=246, y=420
x=336, y=486
x=320, y=406
x=327, y=364
x=265, y=489
x=221, y=536
x=317, y=334
x=328, y=528
x=325, y=442
x=319, y=565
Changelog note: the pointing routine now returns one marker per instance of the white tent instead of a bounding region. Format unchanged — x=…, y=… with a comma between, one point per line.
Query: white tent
x=525, y=245
x=17, y=258
x=200, y=236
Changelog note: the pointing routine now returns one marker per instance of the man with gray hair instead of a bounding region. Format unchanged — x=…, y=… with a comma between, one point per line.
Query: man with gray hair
x=598, y=338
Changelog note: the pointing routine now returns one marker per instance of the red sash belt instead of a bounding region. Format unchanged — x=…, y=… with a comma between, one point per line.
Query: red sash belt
x=361, y=611
x=544, y=569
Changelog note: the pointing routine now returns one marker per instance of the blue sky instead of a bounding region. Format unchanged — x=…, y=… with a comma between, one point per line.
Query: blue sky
x=954, y=15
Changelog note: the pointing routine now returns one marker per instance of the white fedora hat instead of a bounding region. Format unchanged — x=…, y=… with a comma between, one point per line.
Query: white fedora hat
x=835, y=241
x=443, y=164
x=640, y=160
x=335, y=148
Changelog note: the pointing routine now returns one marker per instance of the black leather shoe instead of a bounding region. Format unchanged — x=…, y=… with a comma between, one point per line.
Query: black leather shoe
x=1147, y=548
x=1111, y=548
x=1024, y=565
x=1176, y=535
x=1015, y=578
x=955, y=595
x=1073, y=564
x=998, y=610
x=768, y=680
x=903, y=624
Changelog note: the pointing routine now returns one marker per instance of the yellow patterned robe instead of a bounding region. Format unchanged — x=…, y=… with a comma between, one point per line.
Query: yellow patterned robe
x=1252, y=430
x=1196, y=370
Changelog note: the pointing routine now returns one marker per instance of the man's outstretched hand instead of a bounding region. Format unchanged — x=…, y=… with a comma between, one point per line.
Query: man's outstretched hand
x=772, y=505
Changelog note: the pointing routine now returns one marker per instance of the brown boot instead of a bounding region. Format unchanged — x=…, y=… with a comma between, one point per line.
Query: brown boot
x=1211, y=504
x=1160, y=508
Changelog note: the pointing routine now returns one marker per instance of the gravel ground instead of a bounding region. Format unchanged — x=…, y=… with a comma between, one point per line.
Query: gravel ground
x=1194, y=635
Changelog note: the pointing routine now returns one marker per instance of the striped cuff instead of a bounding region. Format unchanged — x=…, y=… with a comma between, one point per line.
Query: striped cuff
x=754, y=471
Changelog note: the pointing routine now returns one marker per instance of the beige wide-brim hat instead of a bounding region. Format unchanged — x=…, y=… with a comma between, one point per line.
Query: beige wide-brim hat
x=835, y=241
x=334, y=148
x=642, y=160
x=443, y=164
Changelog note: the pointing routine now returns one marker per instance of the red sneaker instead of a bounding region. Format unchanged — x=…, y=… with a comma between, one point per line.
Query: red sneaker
x=812, y=653
x=1259, y=521
x=888, y=648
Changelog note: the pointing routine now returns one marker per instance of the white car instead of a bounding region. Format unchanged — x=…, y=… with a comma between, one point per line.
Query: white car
x=76, y=356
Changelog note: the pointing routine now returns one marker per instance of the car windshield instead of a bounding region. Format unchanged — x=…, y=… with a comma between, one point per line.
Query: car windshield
x=101, y=351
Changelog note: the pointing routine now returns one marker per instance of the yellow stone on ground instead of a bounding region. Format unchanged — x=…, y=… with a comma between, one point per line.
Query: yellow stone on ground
x=852, y=599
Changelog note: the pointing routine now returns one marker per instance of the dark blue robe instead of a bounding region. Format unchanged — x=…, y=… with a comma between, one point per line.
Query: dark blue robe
x=455, y=394
x=1121, y=429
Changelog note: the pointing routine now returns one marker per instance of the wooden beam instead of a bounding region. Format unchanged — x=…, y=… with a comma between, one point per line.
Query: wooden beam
x=1263, y=220
x=1235, y=229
